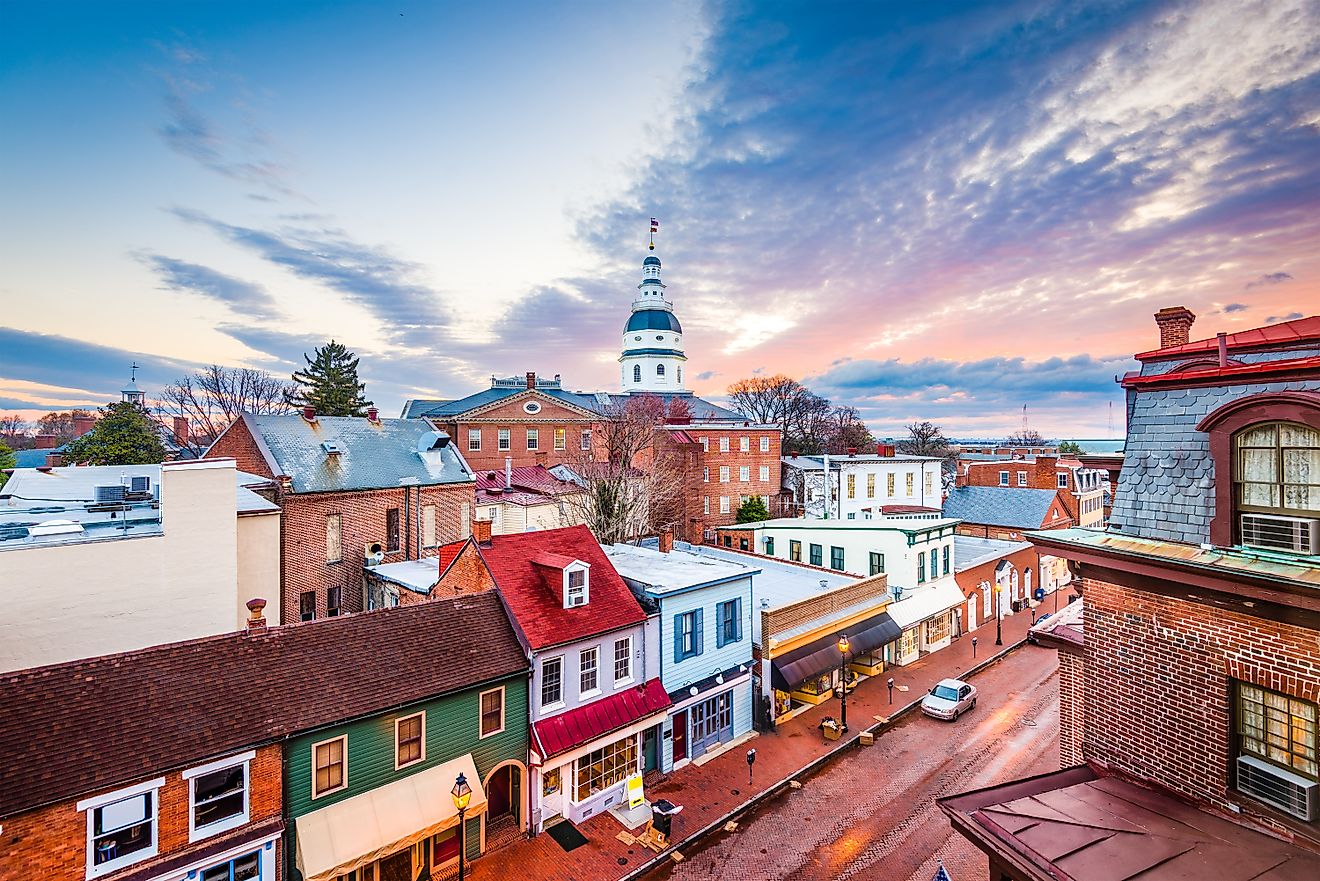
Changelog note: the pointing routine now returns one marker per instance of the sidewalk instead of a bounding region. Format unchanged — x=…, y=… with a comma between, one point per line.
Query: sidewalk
x=710, y=791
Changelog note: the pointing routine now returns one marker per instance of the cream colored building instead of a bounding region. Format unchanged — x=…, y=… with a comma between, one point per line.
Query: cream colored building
x=104, y=559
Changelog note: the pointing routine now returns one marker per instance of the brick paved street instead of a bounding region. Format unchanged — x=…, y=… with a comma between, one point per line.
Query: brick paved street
x=711, y=790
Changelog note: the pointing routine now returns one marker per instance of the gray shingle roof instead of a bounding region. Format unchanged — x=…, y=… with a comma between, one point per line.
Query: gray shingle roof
x=1014, y=507
x=596, y=402
x=372, y=455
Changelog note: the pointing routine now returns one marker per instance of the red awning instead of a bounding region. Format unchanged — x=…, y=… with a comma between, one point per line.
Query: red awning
x=569, y=730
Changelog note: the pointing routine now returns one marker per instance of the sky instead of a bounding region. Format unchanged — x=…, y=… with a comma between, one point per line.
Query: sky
x=943, y=211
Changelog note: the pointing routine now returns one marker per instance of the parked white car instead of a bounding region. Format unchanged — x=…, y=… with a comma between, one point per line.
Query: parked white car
x=949, y=699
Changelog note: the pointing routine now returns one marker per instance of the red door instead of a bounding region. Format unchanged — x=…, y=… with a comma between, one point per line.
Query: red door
x=680, y=735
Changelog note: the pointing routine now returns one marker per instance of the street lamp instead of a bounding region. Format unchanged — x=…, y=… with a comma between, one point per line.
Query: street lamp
x=843, y=681
x=462, y=793
x=999, y=614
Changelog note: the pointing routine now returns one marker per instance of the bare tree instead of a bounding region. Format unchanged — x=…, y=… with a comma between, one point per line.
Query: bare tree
x=845, y=430
x=60, y=424
x=631, y=479
x=927, y=439
x=770, y=400
x=15, y=431
x=211, y=398
x=1025, y=437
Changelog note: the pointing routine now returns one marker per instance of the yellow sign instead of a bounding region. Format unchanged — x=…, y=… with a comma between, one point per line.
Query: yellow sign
x=635, y=797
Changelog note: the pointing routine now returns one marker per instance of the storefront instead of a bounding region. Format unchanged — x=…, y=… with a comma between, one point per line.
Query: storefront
x=707, y=715
x=928, y=617
x=807, y=675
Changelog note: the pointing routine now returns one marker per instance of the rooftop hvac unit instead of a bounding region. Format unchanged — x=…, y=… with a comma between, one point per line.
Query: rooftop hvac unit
x=1301, y=535
x=140, y=484
x=111, y=494
x=1289, y=792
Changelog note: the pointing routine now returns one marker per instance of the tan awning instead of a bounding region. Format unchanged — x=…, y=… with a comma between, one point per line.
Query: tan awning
x=350, y=834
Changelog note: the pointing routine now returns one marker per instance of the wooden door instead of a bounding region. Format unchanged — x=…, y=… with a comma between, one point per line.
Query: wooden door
x=680, y=735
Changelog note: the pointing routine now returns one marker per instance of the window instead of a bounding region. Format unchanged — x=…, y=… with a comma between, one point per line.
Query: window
x=502, y=439
x=889, y=484
x=474, y=439
x=946, y=558
x=1022, y=478
x=586, y=438
x=409, y=740
x=622, y=661
x=243, y=868
x=742, y=544
x=817, y=555
x=392, y=529
x=705, y=474
x=744, y=444
x=877, y=563
x=576, y=592
x=307, y=605
x=765, y=473
x=687, y=635
x=934, y=564
x=769, y=545
x=121, y=828
x=588, y=671
x=1278, y=728
x=729, y=615
x=870, y=485
x=724, y=474
x=561, y=439
x=552, y=682
x=921, y=567
x=1278, y=469
x=728, y=541
x=712, y=717
x=659, y=370
x=795, y=551
x=910, y=478
x=724, y=445
x=744, y=473
x=937, y=628
x=1003, y=478
x=637, y=373
x=765, y=444
x=605, y=767
x=533, y=439
x=218, y=793
x=329, y=766
x=428, y=526
x=550, y=781
x=1063, y=481
x=492, y=711
x=724, y=504
x=836, y=558
x=705, y=504
x=334, y=544
x=930, y=484
x=705, y=444
x=334, y=597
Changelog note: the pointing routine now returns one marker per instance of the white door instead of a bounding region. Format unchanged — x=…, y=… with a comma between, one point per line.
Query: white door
x=971, y=613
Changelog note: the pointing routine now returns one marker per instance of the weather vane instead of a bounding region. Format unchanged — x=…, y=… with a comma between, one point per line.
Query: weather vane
x=655, y=228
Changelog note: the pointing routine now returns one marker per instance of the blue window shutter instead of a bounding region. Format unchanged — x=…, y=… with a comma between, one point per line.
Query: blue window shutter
x=719, y=625
x=737, y=617
x=699, y=636
x=678, y=638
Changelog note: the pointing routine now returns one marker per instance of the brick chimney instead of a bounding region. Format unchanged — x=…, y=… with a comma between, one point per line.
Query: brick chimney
x=309, y=413
x=666, y=541
x=182, y=431
x=531, y=380
x=481, y=532
x=46, y=442
x=83, y=424
x=257, y=620
x=1047, y=472
x=373, y=414
x=1175, y=324
x=54, y=460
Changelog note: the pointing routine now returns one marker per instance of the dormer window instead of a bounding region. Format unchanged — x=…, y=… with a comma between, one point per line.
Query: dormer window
x=575, y=587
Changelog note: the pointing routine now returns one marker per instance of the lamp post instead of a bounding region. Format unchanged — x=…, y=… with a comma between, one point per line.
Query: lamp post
x=843, y=682
x=462, y=793
x=999, y=615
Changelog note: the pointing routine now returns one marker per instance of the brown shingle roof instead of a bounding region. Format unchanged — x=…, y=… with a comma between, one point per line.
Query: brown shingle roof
x=85, y=726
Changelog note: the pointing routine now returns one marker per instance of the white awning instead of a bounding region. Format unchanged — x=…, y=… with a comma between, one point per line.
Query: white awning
x=919, y=604
x=350, y=834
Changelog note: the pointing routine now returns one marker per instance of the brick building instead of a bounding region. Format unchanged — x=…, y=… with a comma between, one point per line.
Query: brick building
x=724, y=463
x=1197, y=666
x=349, y=489
x=1082, y=490
x=992, y=572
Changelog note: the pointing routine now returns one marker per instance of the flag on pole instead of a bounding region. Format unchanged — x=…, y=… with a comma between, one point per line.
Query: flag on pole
x=655, y=225
x=941, y=874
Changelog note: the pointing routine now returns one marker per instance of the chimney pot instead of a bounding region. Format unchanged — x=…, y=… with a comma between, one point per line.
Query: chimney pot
x=666, y=541
x=255, y=607
x=309, y=413
x=1222, y=339
x=852, y=451
x=481, y=532
x=1175, y=325
x=531, y=380
x=83, y=424
x=46, y=442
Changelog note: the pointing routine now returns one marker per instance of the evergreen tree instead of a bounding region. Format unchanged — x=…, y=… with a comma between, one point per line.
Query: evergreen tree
x=7, y=459
x=330, y=382
x=753, y=510
x=124, y=435
x=1069, y=447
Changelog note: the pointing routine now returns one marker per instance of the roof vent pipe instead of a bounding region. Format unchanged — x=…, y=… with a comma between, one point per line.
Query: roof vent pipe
x=824, y=584
x=508, y=472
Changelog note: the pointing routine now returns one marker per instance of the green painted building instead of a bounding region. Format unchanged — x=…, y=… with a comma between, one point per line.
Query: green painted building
x=371, y=797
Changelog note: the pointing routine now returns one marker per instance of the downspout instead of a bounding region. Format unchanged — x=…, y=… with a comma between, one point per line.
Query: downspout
x=407, y=523
x=417, y=515
x=825, y=483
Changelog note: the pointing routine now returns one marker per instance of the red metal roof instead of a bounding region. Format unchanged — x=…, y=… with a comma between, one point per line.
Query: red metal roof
x=580, y=726
x=1209, y=374
x=533, y=592
x=1280, y=334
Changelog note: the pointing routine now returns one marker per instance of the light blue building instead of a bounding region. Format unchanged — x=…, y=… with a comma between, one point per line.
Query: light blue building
x=703, y=610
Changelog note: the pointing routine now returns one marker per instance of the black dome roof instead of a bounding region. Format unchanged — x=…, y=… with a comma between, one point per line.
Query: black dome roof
x=653, y=319
x=651, y=258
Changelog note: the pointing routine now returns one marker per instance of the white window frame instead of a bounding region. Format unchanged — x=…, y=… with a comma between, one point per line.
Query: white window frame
x=705, y=474
x=1003, y=478
x=724, y=504
x=586, y=439
x=744, y=473
x=765, y=444
x=560, y=438
x=620, y=681
x=1063, y=480
x=765, y=473
x=503, y=440
x=585, y=569
x=533, y=439
x=724, y=474
x=554, y=705
x=705, y=504
x=91, y=804
x=474, y=440
x=1022, y=478
x=481, y=713
x=724, y=445
x=191, y=774
x=594, y=651
x=342, y=786
x=744, y=444
x=705, y=444
x=416, y=761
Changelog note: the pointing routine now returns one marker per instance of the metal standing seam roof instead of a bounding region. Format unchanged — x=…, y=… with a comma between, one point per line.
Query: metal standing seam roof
x=1282, y=333
x=373, y=455
x=1011, y=506
x=586, y=723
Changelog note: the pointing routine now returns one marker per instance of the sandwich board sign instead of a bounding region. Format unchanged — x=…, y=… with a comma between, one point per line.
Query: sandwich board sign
x=635, y=797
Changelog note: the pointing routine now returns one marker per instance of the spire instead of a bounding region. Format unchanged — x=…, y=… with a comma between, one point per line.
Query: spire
x=131, y=393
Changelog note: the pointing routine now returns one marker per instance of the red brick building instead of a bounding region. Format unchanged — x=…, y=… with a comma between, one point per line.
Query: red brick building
x=1194, y=686
x=723, y=464
x=1081, y=490
x=349, y=489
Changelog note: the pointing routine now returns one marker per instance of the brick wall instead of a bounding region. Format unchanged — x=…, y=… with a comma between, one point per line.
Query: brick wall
x=237, y=443
x=467, y=574
x=1158, y=696
x=50, y=843
x=777, y=620
x=491, y=458
x=735, y=459
x=1072, y=708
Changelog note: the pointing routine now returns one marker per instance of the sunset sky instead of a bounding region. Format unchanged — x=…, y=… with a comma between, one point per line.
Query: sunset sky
x=928, y=210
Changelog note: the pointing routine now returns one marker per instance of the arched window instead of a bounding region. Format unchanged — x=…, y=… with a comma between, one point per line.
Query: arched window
x=659, y=370
x=637, y=373
x=1277, y=469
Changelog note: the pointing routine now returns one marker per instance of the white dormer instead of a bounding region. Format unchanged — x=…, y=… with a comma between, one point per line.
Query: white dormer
x=577, y=584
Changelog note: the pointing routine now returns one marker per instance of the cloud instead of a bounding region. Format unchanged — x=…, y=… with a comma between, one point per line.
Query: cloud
x=1235, y=307
x=1291, y=316
x=707, y=375
x=76, y=364
x=247, y=299
x=1270, y=279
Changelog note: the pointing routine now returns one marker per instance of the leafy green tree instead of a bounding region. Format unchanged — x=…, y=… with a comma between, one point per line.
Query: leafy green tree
x=753, y=510
x=124, y=435
x=1069, y=448
x=330, y=382
x=7, y=459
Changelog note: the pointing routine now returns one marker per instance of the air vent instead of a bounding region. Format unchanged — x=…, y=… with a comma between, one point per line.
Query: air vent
x=1301, y=535
x=331, y=448
x=111, y=494
x=1289, y=792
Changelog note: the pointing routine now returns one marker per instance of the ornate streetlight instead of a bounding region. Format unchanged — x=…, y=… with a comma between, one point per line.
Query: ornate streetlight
x=462, y=793
x=843, y=682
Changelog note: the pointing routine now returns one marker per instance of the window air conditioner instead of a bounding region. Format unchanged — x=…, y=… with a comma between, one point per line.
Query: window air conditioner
x=1289, y=792
x=575, y=600
x=1301, y=535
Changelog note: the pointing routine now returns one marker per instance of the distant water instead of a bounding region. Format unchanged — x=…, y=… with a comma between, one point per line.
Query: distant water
x=1099, y=445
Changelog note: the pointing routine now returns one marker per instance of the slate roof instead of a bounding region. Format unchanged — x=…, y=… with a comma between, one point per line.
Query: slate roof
x=86, y=726
x=374, y=455
x=586, y=723
x=534, y=594
x=596, y=402
x=1009, y=506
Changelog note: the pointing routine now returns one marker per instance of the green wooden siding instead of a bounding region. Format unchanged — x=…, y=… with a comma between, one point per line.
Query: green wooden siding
x=452, y=729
